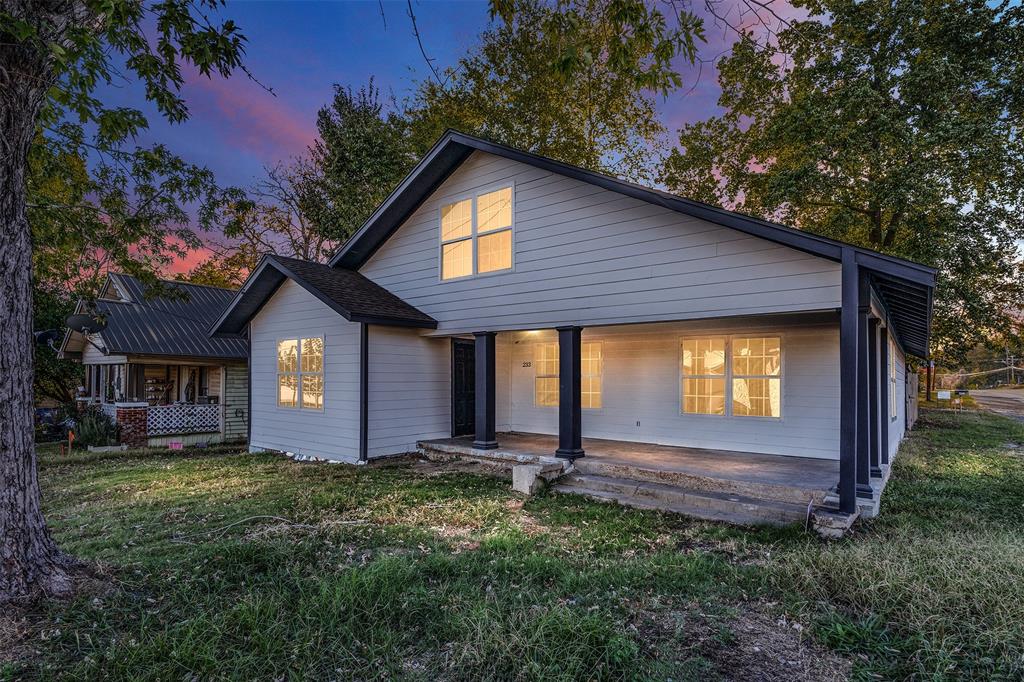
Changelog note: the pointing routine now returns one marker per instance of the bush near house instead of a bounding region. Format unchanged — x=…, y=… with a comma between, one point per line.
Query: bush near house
x=213, y=565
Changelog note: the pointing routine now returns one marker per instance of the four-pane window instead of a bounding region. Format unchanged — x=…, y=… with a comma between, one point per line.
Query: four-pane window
x=476, y=235
x=300, y=373
x=747, y=368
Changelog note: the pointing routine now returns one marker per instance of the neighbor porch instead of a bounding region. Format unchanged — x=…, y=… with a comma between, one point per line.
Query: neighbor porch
x=159, y=402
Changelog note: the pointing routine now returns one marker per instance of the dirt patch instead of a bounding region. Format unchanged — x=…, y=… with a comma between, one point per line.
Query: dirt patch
x=769, y=648
x=430, y=468
x=746, y=643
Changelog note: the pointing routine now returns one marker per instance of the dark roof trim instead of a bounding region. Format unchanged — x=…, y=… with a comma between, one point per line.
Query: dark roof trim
x=454, y=147
x=268, y=277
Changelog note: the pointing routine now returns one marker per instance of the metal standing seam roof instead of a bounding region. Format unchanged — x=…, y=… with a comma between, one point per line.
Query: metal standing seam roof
x=905, y=288
x=164, y=325
x=350, y=294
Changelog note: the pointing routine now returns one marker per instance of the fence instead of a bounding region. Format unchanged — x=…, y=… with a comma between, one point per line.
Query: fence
x=164, y=420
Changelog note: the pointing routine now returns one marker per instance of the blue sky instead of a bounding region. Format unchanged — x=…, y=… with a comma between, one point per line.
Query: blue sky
x=300, y=49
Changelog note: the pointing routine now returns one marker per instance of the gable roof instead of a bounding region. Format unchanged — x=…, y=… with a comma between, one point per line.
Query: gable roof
x=162, y=325
x=904, y=287
x=350, y=294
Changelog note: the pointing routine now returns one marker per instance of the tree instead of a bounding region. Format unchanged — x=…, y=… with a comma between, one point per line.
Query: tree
x=225, y=272
x=362, y=153
x=896, y=126
x=53, y=53
x=574, y=80
x=281, y=214
x=54, y=379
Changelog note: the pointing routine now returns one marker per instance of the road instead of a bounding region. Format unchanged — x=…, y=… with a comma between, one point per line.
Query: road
x=1005, y=401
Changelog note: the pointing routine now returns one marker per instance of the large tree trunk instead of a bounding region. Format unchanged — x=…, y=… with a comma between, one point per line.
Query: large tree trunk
x=30, y=561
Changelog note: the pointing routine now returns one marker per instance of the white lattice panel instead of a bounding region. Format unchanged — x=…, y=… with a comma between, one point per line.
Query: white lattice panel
x=110, y=409
x=164, y=420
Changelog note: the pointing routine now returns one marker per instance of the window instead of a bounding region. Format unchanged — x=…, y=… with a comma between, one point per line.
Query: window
x=892, y=381
x=476, y=235
x=703, y=376
x=756, y=382
x=300, y=373
x=739, y=376
x=546, y=368
x=590, y=375
x=545, y=383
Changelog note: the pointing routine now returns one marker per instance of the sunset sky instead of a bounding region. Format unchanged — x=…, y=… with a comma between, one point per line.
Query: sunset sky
x=300, y=49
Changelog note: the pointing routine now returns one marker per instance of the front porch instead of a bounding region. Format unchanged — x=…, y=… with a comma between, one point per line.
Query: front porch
x=158, y=403
x=740, y=487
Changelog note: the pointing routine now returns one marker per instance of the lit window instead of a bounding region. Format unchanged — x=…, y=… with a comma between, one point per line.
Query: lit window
x=545, y=365
x=703, y=387
x=481, y=225
x=590, y=375
x=300, y=373
x=288, y=373
x=757, y=376
x=748, y=368
x=546, y=369
x=892, y=381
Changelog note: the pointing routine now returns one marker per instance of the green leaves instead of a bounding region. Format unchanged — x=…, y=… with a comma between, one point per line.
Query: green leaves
x=892, y=126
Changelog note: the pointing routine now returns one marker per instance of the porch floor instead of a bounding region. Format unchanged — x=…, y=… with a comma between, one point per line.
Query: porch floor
x=807, y=473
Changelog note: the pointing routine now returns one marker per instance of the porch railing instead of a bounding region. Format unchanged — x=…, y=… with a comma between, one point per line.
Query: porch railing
x=163, y=420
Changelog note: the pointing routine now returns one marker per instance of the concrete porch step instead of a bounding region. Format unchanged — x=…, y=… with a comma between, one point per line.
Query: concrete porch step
x=702, y=482
x=704, y=504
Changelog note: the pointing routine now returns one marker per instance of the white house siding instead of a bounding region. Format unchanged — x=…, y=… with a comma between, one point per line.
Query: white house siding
x=586, y=255
x=332, y=433
x=236, y=402
x=410, y=390
x=641, y=384
x=898, y=422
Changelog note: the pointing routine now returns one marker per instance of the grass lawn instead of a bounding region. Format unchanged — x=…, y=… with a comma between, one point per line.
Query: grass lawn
x=230, y=565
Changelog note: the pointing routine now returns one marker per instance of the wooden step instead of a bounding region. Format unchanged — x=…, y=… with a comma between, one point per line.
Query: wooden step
x=704, y=504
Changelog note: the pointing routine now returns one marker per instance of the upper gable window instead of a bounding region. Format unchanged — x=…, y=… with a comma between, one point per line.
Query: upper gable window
x=476, y=235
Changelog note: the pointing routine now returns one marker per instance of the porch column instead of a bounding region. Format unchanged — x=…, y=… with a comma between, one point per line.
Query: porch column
x=570, y=411
x=875, y=397
x=484, y=390
x=848, y=384
x=883, y=396
x=863, y=382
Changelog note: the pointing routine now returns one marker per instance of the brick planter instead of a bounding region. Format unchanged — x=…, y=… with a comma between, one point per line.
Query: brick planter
x=131, y=418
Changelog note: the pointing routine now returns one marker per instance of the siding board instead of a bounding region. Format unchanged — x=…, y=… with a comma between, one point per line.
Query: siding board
x=589, y=256
x=332, y=433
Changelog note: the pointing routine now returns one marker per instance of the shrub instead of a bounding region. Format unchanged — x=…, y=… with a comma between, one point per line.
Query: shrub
x=95, y=427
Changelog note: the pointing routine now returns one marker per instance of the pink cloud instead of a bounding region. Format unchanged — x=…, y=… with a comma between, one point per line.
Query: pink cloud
x=255, y=119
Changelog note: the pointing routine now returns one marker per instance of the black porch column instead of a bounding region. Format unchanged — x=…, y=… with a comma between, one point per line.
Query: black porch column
x=484, y=391
x=863, y=382
x=875, y=396
x=848, y=385
x=883, y=396
x=570, y=413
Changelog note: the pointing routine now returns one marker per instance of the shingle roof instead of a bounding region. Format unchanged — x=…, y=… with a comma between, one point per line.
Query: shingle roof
x=167, y=325
x=350, y=294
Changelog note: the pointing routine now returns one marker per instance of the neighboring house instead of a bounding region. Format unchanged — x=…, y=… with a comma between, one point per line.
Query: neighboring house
x=154, y=368
x=498, y=293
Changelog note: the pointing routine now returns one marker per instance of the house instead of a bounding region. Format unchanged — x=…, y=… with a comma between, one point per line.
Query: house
x=154, y=369
x=502, y=302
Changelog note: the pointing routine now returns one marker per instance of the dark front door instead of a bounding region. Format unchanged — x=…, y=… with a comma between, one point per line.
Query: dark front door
x=463, y=396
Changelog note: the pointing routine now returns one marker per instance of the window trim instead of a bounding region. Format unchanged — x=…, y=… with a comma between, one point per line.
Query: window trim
x=537, y=375
x=728, y=375
x=298, y=373
x=893, y=381
x=598, y=342
x=474, y=235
